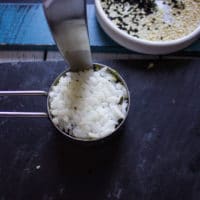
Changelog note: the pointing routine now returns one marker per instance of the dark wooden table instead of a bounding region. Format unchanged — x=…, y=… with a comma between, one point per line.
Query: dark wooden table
x=156, y=156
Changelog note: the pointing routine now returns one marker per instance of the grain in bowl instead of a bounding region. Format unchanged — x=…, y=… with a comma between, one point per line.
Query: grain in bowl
x=89, y=104
x=154, y=20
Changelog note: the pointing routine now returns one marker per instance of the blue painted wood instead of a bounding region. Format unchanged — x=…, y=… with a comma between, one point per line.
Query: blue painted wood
x=23, y=26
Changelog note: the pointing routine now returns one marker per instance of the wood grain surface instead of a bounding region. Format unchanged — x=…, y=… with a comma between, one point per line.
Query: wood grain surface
x=156, y=156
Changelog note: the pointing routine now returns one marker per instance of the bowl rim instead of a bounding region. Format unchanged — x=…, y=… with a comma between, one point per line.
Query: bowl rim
x=124, y=34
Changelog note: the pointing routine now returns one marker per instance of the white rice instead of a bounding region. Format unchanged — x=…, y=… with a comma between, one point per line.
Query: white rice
x=88, y=104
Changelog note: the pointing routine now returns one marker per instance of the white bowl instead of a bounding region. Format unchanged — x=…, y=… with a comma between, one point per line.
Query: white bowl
x=141, y=45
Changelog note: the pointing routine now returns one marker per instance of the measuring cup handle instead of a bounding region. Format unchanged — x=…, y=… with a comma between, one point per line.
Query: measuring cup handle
x=23, y=93
x=23, y=114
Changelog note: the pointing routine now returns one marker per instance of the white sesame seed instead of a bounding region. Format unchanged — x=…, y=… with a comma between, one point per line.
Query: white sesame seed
x=158, y=24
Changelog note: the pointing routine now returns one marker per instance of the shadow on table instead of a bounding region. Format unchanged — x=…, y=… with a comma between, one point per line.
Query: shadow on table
x=83, y=171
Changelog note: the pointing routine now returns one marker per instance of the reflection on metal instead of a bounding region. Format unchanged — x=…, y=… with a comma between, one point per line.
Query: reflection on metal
x=67, y=21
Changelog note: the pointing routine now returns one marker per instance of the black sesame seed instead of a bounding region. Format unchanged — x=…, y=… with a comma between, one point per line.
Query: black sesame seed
x=120, y=19
x=125, y=24
x=106, y=11
x=129, y=9
x=126, y=16
x=123, y=28
x=135, y=30
x=136, y=36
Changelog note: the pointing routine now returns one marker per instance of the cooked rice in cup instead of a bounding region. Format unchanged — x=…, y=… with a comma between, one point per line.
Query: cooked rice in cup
x=90, y=104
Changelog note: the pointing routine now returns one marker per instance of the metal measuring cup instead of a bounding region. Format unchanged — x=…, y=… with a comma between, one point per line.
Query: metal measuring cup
x=67, y=22
x=50, y=116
